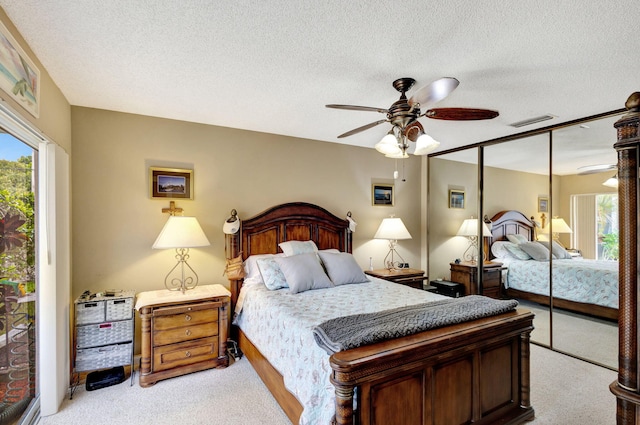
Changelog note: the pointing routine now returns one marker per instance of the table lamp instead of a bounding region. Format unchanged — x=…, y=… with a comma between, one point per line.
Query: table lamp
x=392, y=229
x=558, y=225
x=469, y=229
x=181, y=233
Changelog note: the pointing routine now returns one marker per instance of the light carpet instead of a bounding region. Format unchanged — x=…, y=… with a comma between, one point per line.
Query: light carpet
x=564, y=391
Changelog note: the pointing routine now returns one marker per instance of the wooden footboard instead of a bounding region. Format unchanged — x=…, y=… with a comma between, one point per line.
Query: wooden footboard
x=474, y=372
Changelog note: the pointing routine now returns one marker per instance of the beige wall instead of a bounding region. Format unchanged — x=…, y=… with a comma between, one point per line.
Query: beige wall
x=115, y=221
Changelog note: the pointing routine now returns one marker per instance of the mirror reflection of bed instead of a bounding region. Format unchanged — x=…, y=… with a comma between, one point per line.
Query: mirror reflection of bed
x=515, y=174
x=585, y=290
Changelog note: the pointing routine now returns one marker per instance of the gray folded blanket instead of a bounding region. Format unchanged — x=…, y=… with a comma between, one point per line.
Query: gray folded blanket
x=343, y=333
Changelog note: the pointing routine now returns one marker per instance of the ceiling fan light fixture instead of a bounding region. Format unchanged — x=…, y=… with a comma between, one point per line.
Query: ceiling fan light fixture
x=398, y=155
x=425, y=144
x=388, y=145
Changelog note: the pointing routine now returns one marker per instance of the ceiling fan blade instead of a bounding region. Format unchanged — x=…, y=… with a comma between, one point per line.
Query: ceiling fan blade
x=358, y=108
x=461, y=114
x=359, y=129
x=434, y=92
x=413, y=131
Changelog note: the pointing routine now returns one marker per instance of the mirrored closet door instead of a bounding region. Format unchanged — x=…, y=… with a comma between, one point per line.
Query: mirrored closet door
x=549, y=183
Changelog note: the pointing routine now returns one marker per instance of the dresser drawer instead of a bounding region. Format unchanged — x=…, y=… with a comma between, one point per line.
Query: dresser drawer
x=185, y=353
x=170, y=318
x=185, y=333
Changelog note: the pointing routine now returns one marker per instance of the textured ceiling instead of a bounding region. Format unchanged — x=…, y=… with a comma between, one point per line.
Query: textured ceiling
x=272, y=66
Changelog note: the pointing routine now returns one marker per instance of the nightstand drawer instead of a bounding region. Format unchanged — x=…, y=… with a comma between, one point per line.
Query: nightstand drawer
x=185, y=353
x=185, y=333
x=168, y=319
x=491, y=279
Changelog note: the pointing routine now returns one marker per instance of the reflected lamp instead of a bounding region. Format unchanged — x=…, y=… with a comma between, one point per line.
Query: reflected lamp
x=469, y=229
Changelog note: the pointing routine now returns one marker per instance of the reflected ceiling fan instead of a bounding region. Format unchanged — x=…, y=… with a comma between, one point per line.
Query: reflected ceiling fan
x=404, y=113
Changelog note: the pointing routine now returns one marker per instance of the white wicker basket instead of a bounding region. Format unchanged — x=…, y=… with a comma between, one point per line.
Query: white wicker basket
x=89, y=312
x=103, y=357
x=119, y=309
x=104, y=333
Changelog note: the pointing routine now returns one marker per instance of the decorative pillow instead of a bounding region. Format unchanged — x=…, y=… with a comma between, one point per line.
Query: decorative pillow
x=536, y=250
x=342, y=268
x=499, y=249
x=297, y=247
x=517, y=252
x=517, y=239
x=251, y=271
x=557, y=250
x=303, y=272
x=271, y=274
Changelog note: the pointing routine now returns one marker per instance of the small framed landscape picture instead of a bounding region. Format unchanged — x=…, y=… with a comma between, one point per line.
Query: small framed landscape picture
x=456, y=199
x=382, y=194
x=543, y=205
x=171, y=183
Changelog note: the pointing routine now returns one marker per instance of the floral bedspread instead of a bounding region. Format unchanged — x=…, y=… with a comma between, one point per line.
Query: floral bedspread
x=280, y=324
x=582, y=280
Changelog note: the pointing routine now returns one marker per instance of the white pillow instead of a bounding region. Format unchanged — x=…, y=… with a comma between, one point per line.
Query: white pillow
x=303, y=272
x=342, y=268
x=297, y=247
x=271, y=274
x=517, y=239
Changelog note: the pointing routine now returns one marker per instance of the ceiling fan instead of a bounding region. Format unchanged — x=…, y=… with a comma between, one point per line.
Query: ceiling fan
x=403, y=115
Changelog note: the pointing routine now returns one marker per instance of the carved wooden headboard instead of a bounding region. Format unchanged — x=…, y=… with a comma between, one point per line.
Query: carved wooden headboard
x=295, y=221
x=511, y=222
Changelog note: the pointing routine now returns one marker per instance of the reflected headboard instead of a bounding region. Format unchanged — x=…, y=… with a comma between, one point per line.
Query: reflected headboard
x=511, y=222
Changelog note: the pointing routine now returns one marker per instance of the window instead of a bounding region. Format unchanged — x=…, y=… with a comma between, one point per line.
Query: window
x=594, y=220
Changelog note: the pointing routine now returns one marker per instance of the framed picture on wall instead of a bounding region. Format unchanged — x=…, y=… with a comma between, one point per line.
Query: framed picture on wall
x=382, y=194
x=456, y=199
x=543, y=205
x=170, y=183
x=20, y=78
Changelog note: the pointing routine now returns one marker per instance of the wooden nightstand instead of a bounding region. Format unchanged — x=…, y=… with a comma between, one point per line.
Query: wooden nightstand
x=182, y=333
x=409, y=277
x=467, y=274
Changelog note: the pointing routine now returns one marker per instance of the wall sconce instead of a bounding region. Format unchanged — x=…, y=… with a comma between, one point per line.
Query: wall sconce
x=469, y=229
x=232, y=224
x=392, y=229
x=181, y=233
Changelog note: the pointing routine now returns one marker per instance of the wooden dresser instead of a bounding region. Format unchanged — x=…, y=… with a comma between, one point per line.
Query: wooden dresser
x=182, y=333
x=467, y=274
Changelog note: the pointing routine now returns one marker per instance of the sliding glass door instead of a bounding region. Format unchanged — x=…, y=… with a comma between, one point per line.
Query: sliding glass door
x=17, y=279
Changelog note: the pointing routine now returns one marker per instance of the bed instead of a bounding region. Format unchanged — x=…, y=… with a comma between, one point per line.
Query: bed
x=580, y=285
x=476, y=371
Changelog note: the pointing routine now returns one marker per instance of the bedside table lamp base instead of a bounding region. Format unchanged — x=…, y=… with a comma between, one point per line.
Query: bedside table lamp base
x=391, y=265
x=186, y=279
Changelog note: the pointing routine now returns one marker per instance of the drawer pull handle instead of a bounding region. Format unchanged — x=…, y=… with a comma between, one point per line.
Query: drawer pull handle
x=187, y=317
x=187, y=354
x=187, y=332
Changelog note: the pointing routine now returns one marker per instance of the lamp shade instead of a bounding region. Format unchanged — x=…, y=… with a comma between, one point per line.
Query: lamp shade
x=181, y=232
x=611, y=181
x=425, y=144
x=392, y=228
x=469, y=227
x=388, y=145
x=559, y=226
